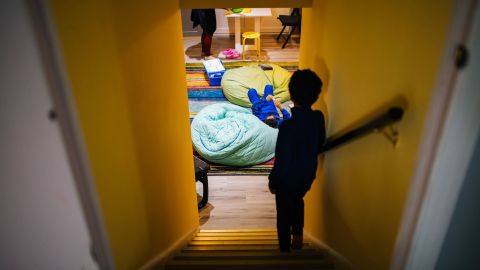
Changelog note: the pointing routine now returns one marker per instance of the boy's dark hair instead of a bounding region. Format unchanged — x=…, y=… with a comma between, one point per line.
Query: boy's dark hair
x=305, y=87
x=271, y=122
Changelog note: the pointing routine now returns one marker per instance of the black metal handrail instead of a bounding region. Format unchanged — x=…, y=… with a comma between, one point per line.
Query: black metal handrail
x=392, y=115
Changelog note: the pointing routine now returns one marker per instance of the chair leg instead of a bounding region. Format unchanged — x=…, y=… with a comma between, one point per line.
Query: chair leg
x=258, y=49
x=204, y=180
x=289, y=35
x=243, y=49
x=279, y=35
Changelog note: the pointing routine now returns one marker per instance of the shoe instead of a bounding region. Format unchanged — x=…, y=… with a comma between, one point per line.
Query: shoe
x=297, y=242
x=230, y=54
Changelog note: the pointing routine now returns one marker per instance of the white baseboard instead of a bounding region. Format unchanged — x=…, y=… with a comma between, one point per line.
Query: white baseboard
x=159, y=261
x=340, y=262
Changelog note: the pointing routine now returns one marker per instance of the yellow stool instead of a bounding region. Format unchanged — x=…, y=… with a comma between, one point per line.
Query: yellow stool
x=251, y=35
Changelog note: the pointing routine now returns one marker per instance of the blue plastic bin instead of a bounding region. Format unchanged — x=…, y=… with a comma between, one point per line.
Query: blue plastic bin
x=215, y=70
x=215, y=78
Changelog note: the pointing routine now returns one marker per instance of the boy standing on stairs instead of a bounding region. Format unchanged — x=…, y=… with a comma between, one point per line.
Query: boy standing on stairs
x=298, y=145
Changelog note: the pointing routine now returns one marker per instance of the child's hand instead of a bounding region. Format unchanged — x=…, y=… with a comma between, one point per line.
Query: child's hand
x=278, y=104
x=269, y=97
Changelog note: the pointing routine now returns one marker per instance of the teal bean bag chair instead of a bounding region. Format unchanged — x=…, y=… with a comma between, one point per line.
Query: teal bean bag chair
x=231, y=135
x=237, y=81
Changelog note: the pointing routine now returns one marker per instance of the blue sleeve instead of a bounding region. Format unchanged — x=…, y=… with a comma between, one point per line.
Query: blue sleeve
x=286, y=115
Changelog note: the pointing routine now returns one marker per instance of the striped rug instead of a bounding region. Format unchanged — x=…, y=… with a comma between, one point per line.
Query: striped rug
x=201, y=94
x=259, y=169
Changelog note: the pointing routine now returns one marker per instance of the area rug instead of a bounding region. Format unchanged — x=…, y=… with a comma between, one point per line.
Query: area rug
x=201, y=94
x=259, y=169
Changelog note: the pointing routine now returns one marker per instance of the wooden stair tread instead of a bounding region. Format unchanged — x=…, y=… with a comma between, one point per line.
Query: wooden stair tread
x=241, y=247
x=266, y=233
x=245, y=249
x=235, y=238
x=254, y=262
x=251, y=254
x=238, y=230
x=233, y=242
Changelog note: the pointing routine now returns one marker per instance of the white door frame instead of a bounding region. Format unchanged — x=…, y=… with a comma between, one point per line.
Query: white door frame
x=436, y=183
x=436, y=123
x=61, y=93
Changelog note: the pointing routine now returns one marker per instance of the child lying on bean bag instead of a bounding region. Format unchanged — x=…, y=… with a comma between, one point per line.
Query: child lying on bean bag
x=237, y=81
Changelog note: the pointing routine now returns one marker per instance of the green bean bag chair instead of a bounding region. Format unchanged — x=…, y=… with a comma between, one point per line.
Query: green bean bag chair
x=228, y=134
x=237, y=81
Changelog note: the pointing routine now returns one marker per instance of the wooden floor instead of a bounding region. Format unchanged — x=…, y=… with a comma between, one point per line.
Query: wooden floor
x=238, y=202
x=271, y=50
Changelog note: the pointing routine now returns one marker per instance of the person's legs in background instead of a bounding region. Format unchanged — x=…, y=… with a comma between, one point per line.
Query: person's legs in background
x=206, y=43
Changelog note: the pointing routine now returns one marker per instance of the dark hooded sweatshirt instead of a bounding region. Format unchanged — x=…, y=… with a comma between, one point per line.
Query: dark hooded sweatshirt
x=299, y=141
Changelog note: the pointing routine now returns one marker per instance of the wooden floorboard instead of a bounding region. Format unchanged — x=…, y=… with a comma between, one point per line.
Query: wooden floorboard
x=271, y=50
x=238, y=202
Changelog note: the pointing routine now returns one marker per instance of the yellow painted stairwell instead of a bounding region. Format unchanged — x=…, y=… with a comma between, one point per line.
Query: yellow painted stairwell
x=245, y=249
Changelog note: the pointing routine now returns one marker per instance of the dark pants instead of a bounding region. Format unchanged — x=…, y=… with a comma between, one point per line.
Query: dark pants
x=289, y=218
x=206, y=18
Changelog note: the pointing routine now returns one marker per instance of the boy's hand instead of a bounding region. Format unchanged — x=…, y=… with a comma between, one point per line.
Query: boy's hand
x=278, y=104
x=269, y=97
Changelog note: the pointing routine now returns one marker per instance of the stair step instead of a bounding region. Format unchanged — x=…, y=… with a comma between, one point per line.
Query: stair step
x=253, y=249
x=249, y=264
x=235, y=238
x=230, y=248
x=233, y=242
x=237, y=248
x=239, y=231
x=250, y=254
x=266, y=233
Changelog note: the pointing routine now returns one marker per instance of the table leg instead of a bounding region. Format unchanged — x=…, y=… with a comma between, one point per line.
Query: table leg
x=257, y=29
x=238, y=45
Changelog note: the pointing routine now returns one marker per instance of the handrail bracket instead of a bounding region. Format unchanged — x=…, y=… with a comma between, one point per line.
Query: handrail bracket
x=391, y=133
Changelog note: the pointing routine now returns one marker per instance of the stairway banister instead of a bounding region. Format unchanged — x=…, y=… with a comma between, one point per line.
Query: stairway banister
x=392, y=115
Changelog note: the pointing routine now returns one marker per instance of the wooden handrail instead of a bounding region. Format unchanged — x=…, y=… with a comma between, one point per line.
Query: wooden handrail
x=392, y=115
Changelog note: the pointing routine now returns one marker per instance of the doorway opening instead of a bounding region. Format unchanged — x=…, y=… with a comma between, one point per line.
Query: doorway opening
x=238, y=196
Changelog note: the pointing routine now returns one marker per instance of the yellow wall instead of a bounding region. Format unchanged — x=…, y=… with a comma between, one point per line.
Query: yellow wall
x=125, y=64
x=369, y=53
x=151, y=50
